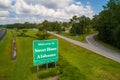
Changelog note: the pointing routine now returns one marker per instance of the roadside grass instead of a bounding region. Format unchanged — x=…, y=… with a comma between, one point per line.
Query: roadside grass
x=22, y=68
x=78, y=37
x=5, y=56
x=105, y=44
x=81, y=38
x=92, y=65
x=76, y=63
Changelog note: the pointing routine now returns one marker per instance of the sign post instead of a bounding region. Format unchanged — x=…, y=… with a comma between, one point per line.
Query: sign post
x=47, y=66
x=45, y=51
x=37, y=71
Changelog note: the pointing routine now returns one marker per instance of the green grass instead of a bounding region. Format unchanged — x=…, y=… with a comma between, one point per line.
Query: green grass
x=5, y=57
x=22, y=68
x=81, y=38
x=93, y=66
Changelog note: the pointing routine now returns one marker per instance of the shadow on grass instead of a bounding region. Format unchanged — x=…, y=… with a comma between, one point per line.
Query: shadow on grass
x=4, y=77
x=42, y=67
x=26, y=36
x=33, y=69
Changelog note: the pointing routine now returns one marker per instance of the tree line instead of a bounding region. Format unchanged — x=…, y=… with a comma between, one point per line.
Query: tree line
x=25, y=25
x=107, y=23
x=77, y=25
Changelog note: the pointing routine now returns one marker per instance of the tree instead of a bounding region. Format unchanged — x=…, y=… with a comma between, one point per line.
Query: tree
x=72, y=31
x=80, y=25
x=116, y=35
x=107, y=23
x=26, y=24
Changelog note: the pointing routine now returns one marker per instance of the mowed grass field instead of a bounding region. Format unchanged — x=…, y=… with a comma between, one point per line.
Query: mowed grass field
x=90, y=64
x=81, y=38
x=93, y=66
x=22, y=68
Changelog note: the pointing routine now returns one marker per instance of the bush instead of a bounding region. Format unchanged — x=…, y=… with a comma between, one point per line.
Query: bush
x=68, y=72
x=64, y=70
x=42, y=36
x=53, y=71
x=43, y=74
x=72, y=73
x=62, y=63
x=49, y=73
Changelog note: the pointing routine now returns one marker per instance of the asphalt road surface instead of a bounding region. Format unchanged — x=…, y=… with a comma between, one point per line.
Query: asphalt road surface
x=2, y=33
x=111, y=54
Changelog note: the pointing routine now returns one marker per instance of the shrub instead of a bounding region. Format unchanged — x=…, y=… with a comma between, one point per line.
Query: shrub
x=69, y=72
x=42, y=35
x=43, y=74
x=49, y=73
x=62, y=63
x=72, y=73
x=53, y=71
x=64, y=70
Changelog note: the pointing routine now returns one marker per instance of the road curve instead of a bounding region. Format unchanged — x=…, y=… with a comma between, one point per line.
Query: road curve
x=93, y=48
x=91, y=41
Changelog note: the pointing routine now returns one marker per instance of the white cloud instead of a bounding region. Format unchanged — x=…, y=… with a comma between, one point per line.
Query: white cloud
x=78, y=3
x=48, y=9
x=21, y=7
x=5, y=4
x=54, y=4
x=4, y=13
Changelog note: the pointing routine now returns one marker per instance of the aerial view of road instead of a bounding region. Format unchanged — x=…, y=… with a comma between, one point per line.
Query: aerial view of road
x=56, y=40
x=94, y=46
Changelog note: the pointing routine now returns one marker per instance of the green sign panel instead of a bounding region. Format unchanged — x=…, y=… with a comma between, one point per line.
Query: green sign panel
x=45, y=51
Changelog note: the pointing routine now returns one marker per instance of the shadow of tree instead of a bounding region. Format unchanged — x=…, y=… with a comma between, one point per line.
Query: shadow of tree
x=41, y=67
x=33, y=69
x=26, y=36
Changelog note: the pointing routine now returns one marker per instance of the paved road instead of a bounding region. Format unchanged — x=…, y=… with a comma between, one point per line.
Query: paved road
x=91, y=41
x=2, y=33
x=108, y=54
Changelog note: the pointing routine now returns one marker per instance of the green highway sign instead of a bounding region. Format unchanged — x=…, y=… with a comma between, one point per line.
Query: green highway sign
x=45, y=51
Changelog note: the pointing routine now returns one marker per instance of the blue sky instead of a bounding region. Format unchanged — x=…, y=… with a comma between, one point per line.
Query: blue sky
x=13, y=11
x=97, y=5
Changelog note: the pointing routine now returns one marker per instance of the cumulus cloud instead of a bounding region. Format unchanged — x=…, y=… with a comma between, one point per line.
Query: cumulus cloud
x=55, y=4
x=4, y=13
x=21, y=7
x=66, y=10
x=47, y=9
x=5, y=4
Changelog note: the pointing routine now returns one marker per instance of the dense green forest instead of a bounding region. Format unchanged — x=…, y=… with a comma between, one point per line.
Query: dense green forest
x=107, y=23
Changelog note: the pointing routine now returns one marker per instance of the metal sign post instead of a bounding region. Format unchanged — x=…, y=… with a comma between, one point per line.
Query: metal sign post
x=55, y=64
x=37, y=71
x=47, y=66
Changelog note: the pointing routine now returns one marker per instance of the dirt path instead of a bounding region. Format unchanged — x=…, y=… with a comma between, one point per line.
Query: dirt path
x=54, y=78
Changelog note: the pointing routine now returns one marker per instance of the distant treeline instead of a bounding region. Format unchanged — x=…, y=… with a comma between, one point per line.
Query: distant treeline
x=19, y=25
